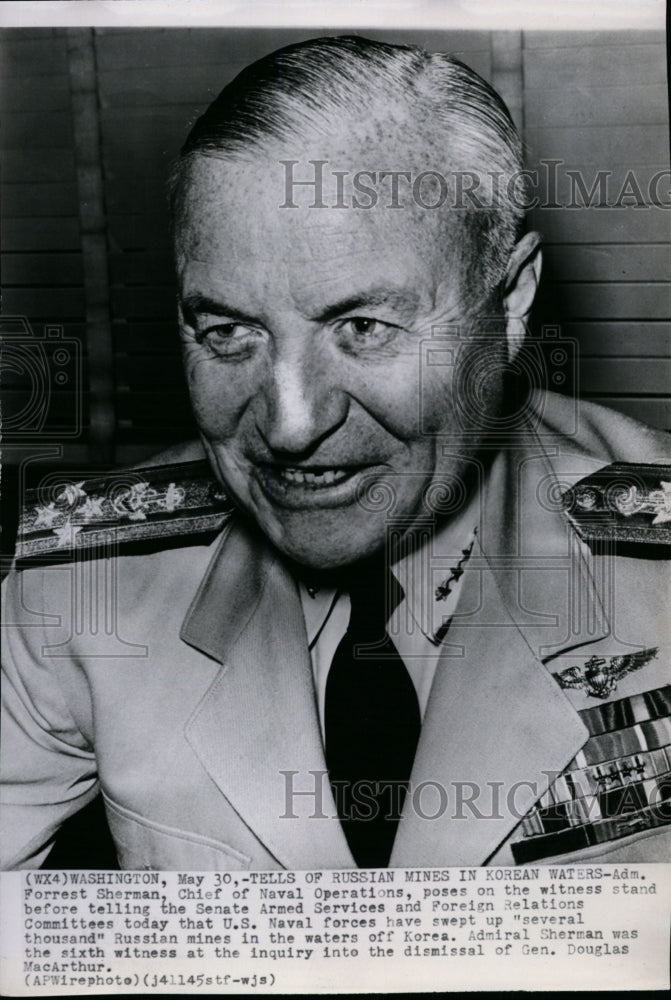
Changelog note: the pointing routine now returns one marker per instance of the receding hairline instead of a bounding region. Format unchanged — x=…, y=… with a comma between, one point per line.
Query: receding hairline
x=301, y=92
x=303, y=88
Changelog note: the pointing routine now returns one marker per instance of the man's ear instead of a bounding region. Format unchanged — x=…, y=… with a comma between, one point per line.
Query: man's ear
x=519, y=288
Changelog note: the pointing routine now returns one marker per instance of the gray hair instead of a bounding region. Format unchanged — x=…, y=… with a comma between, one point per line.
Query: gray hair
x=305, y=88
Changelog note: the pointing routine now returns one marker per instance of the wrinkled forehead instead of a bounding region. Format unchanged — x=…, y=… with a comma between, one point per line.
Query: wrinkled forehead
x=319, y=206
x=240, y=241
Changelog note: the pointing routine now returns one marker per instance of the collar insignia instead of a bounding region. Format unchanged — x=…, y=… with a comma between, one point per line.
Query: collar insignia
x=445, y=588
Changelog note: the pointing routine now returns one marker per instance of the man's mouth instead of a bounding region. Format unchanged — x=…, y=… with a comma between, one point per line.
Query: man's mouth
x=307, y=487
x=315, y=478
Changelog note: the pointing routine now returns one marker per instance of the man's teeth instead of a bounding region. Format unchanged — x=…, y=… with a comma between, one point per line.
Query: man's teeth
x=298, y=477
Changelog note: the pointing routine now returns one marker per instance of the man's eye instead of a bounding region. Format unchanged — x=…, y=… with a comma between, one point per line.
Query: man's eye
x=229, y=340
x=364, y=327
x=362, y=331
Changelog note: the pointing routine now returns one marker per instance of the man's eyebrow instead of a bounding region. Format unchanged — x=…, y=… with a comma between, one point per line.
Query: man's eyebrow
x=403, y=301
x=195, y=304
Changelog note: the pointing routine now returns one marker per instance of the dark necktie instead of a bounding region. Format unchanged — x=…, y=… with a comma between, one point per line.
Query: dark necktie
x=372, y=721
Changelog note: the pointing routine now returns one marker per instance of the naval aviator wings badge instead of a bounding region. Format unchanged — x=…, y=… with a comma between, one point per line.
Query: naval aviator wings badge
x=599, y=676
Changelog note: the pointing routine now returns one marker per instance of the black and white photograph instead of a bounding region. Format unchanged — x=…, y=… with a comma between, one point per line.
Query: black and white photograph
x=336, y=493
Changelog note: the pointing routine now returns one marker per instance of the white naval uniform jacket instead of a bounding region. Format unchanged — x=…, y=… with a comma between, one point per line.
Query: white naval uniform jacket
x=179, y=684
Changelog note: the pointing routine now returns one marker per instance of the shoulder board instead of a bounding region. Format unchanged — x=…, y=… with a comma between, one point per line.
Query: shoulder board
x=623, y=502
x=138, y=504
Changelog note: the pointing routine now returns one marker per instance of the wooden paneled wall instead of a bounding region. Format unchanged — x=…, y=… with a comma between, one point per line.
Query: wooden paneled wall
x=599, y=102
x=42, y=261
x=594, y=101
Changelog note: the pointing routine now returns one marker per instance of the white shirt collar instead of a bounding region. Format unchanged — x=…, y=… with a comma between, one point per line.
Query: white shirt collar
x=317, y=606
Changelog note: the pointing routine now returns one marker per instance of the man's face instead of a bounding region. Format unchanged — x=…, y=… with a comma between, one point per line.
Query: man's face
x=305, y=350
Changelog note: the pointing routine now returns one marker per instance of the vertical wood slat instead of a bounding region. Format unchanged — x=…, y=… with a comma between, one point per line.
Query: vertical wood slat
x=506, y=77
x=93, y=226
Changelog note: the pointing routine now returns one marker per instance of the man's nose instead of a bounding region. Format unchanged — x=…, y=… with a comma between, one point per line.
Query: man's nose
x=301, y=403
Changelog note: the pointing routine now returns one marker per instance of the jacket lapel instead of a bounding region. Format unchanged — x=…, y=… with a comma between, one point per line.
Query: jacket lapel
x=497, y=731
x=256, y=731
x=498, y=728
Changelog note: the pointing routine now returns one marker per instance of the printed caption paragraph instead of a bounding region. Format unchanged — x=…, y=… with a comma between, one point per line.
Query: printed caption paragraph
x=335, y=931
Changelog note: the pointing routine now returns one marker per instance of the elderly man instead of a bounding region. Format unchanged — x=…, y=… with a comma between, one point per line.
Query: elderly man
x=432, y=630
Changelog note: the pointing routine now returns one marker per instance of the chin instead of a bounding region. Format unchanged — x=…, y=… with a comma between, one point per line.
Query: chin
x=327, y=553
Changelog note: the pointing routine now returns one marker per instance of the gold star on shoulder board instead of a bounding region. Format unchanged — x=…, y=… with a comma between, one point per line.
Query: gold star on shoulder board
x=46, y=516
x=66, y=535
